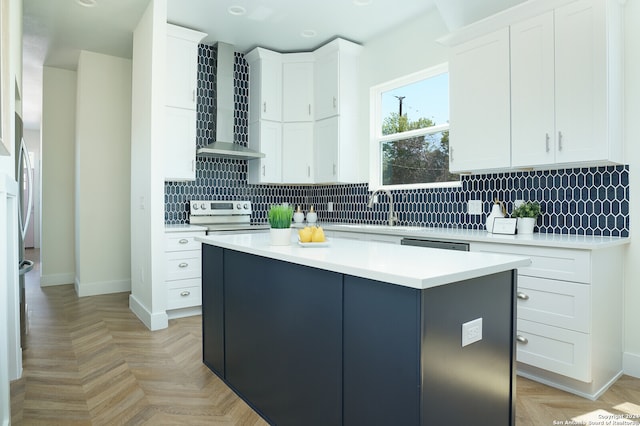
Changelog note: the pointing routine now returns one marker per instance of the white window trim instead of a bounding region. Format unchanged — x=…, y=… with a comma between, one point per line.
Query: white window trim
x=375, y=129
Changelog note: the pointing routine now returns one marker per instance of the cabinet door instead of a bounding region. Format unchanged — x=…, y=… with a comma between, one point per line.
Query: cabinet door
x=327, y=138
x=581, y=84
x=327, y=86
x=297, y=91
x=182, y=72
x=180, y=144
x=266, y=137
x=532, y=92
x=480, y=104
x=265, y=89
x=297, y=153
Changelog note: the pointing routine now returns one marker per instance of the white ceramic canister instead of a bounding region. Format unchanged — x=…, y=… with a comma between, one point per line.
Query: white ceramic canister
x=312, y=216
x=497, y=210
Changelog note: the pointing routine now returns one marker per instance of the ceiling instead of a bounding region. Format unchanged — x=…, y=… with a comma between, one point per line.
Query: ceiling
x=56, y=30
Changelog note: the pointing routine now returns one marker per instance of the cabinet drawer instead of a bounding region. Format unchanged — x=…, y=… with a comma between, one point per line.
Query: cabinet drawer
x=184, y=297
x=554, y=263
x=183, y=265
x=182, y=241
x=558, y=303
x=555, y=349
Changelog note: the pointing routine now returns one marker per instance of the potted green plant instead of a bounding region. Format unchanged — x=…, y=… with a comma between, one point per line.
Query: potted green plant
x=527, y=214
x=280, y=221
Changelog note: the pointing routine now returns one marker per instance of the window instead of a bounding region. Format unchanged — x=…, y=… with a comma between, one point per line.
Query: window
x=410, y=131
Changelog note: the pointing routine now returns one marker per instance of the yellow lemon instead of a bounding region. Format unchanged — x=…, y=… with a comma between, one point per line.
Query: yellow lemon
x=318, y=236
x=305, y=235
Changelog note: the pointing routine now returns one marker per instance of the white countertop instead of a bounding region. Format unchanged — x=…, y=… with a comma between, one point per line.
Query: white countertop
x=586, y=242
x=414, y=267
x=184, y=228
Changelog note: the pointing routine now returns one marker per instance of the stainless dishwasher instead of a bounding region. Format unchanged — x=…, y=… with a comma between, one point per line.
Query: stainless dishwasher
x=445, y=245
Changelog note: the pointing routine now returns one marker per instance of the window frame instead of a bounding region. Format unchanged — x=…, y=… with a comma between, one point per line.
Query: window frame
x=376, y=138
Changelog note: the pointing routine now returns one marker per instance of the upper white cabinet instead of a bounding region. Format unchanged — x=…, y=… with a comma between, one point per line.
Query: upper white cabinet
x=559, y=102
x=336, y=69
x=297, y=87
x=566, y=75
x=182, y=66
x=265, y=85
x=317, y=96
x=480, y=134
x=180, y=101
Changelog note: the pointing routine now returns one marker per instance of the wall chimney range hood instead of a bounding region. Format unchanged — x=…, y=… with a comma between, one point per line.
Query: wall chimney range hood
x=223, y=146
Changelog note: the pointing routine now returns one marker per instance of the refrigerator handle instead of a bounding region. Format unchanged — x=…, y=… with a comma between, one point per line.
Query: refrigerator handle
x=24, y=221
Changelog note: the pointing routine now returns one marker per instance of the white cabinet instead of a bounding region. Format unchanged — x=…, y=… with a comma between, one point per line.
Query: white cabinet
x=265, y=136
x=183, y=279
x=324, y=150
x=181, y=95
x=480, y=132
x=568, y=316
x=297, y=152
x=335, y=150
x=180, y=148
x=297, y=87
x=265, y=85
x=566, y=73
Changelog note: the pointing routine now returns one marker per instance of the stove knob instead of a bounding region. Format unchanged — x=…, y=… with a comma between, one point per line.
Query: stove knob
x=203, y=206
x=238, y=206
x=194, y=206
x=246, y=206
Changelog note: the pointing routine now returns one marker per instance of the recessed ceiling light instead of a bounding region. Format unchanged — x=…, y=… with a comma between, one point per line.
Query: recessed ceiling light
x=309, y=33
x=87, y=3
x=237, y=10
x=362, y=2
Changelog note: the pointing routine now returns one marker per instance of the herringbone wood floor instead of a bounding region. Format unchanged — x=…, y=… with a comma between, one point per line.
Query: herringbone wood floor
x=90, y=361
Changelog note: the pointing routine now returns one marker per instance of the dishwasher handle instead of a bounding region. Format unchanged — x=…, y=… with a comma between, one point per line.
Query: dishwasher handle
x=445, y=245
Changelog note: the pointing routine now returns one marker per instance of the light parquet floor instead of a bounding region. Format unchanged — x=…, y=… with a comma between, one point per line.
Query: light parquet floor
x=90, y=361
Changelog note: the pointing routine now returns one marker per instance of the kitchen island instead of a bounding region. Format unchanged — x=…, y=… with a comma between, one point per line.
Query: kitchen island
x=361, y=332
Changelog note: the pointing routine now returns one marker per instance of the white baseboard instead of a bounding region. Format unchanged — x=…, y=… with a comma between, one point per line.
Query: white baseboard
x=57, y=279
x=153, y=321
x=631, y=364
x=102, y=287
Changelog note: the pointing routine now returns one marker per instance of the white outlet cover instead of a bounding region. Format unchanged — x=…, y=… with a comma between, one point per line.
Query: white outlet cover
x=474, y=207
x=471, y=332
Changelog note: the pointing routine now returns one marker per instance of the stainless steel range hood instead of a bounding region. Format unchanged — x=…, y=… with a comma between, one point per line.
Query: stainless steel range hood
x=224, y=147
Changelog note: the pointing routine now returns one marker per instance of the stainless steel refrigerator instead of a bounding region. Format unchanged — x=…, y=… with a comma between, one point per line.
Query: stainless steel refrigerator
x=24, y=178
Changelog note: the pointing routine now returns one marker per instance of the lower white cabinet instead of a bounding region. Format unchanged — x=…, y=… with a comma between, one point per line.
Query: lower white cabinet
x=183, y=275
x=569, y=319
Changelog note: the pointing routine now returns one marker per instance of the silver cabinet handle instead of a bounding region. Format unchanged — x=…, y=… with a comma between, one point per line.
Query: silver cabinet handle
x=193, y=95
x=450, y=154
x=263, y=171
x=183, y=241
x=183, y=265
x=547, y=141
x=308, y=171
x=559, y=140
x=264, y=106
x=335, y=103
x=309, y=109
x=522, y=339
x=185, y=293
x=522, y=296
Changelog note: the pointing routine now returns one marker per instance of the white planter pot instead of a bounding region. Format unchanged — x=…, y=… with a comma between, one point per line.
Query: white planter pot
x=525, y=225
x=280, y=237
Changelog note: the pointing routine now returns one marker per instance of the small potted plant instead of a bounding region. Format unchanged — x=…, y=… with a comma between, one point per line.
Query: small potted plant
x=527, y=214
x=280, y=222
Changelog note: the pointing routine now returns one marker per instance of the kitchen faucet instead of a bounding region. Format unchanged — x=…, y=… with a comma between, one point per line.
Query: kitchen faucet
x=393, y=219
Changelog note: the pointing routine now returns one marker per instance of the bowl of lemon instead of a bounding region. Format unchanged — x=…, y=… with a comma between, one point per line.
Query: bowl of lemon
x=312, y=236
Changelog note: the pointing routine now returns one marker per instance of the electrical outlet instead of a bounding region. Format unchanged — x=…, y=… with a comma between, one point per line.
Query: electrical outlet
x=330, y=206
x=471, y=332
x=474, y=207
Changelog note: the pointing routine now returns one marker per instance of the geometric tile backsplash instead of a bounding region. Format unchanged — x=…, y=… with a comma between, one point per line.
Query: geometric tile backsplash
x=583, y=201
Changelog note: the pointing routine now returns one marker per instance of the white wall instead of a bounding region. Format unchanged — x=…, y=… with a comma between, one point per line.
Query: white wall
x=148, y=294
x=631, y=358
x=409, y=49
x=102, y=178
x=57, y=252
